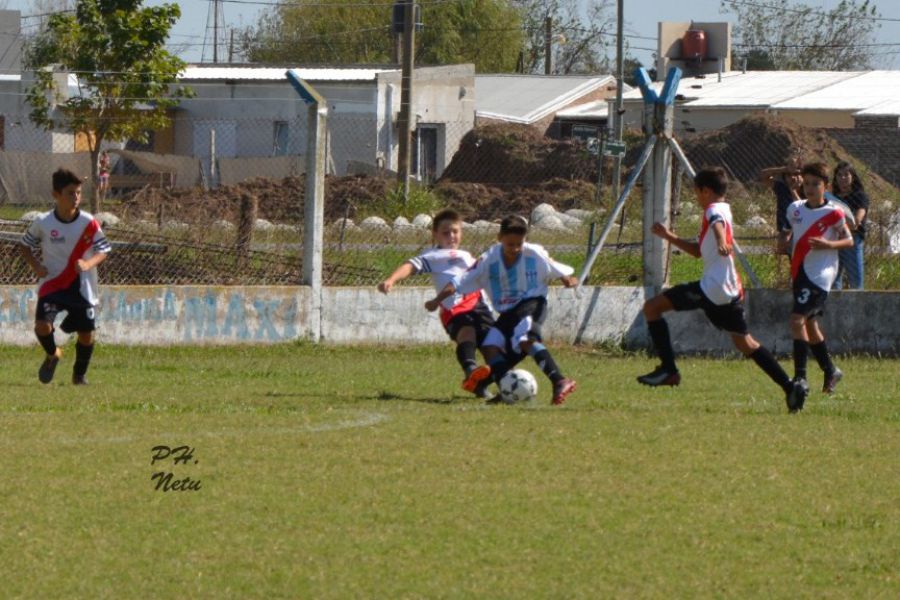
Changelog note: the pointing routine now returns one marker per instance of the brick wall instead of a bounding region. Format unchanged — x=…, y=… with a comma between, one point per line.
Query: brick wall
x=874, y=144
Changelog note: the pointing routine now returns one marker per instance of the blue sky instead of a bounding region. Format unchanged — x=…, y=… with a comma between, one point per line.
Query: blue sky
x=641, y=18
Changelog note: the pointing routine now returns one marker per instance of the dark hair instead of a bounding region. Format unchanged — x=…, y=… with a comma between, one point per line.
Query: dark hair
x=514, y=224
x=855, y=182
x=816, y=169
x=713, y=178
x=448, y=214
x=63, y=177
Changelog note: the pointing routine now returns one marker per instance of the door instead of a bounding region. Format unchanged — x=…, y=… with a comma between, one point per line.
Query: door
x=425, y=143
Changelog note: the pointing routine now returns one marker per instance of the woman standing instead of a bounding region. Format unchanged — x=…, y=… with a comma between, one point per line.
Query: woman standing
x=846, y=185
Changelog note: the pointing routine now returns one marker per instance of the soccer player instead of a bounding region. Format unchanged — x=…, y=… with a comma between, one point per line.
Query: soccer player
x=466, y=318
x=818, y=229
x=515, y=273
x=72, y=245
x=719, y=292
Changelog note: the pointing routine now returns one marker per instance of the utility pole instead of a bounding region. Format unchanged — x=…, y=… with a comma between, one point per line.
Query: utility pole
x=548, y=45
x=231, y=47
x=618, y=122
x=404, y=122
x=216, y=31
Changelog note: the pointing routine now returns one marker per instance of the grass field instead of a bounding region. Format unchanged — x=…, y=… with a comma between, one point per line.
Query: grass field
x=363, y=472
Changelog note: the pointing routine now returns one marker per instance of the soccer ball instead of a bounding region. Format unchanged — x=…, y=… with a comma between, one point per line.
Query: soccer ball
x=518, y=385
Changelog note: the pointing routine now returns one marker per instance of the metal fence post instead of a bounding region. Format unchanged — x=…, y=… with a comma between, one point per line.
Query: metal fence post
x=314, y=198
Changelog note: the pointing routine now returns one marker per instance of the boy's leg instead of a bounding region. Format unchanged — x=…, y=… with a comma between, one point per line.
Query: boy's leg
x=819, y=350
x=44, y=332
x=80, y=320
x=667, y=372
x=84, y=348
x=794, y=391
x=44, y=318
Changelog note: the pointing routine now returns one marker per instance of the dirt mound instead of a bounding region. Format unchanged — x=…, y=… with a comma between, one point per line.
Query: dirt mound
x=509, y=155
x=759, y=141
x=479, y=201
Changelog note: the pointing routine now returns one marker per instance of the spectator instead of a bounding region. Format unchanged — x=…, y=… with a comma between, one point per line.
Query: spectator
x=846, y=185
x=787, y=184
x=103, y=170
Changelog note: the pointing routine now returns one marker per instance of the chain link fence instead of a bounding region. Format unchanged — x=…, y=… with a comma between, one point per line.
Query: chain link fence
x=220, y=200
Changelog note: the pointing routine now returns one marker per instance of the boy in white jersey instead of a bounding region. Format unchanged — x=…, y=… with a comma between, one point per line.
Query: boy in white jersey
x=818, y=229
x=515, y=274
x=72, y=245
x=718, y=293
x=466, y=318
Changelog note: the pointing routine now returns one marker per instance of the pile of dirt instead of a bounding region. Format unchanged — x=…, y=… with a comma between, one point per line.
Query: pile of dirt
x=760, y=141
x=514, y=155
x=479, y=201
x=279, y=200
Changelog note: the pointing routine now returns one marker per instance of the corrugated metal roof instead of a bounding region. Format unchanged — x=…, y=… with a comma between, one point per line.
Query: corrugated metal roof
x=796, y=90
x=860, y=92
x=598, y=109
x=750, y=89
x=888, y=108
x=529, y=98
x=198, y=73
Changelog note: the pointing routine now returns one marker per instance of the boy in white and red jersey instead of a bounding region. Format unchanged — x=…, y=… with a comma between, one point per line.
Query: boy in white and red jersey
x=818, y=229
x=718, y=293
x=466, y=318
x=515, y=275
x=71, y=245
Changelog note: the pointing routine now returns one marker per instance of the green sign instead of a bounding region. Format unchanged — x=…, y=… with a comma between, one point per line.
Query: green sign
x=614, y=148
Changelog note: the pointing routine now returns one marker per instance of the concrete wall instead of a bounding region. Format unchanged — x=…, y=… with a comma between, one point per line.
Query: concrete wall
x=162, y=315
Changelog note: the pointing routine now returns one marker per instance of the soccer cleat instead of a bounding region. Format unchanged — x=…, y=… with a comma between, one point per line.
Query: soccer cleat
x=796, y=397
x=477, y=375
x=832, y=380
x=481, y=390
x=561, y=389
x=48, y=368
x=660, y=376
x=78, y=380
x=495, y=399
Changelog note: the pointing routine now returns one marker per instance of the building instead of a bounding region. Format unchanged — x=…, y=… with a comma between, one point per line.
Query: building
x=560, y=106
x=246, y=111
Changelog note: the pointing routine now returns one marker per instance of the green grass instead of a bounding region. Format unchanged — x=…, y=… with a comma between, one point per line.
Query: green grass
x=363, y=472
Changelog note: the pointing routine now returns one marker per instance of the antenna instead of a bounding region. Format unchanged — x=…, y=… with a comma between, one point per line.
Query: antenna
x=215, y=28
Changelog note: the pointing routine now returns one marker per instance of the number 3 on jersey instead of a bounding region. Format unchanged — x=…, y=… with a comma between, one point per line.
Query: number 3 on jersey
x=803, y=296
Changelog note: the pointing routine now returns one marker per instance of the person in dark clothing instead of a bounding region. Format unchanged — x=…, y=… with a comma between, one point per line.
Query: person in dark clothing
x=846, y=185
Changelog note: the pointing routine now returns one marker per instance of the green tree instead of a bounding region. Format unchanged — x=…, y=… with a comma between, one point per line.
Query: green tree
x=784, y=35
x=487, y=33
x=117, y=50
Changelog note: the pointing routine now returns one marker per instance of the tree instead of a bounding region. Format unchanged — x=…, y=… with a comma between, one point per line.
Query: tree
x=487, y=33
x=116, y=48
x=783, y=35
x=579, y=45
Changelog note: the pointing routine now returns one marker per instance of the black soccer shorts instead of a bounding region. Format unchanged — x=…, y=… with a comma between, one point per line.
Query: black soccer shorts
x=809, y=299
x=80, y=316
x=727, y=317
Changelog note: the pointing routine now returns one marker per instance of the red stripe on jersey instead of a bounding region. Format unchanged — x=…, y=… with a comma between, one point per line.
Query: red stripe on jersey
x=729, y=237
x=468, y=302
x=68, y=275
x=801, y=248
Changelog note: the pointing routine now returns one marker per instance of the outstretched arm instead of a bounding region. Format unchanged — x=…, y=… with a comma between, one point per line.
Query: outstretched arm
x=432, y=305
x=692, y=248
x=400, y=273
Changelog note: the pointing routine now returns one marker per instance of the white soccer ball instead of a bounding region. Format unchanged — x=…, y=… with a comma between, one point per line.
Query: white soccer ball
x=518, y=385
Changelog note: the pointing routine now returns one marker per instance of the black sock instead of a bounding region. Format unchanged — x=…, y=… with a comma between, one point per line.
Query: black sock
x=82, y=358
x=762, y=357
x=820, y=351
x=465, y=354
x=543, y=359
x=800, y=359
x=499, y=367
x=659, y=333
x=48, y=343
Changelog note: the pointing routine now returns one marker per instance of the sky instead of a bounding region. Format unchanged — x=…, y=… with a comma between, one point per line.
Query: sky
x=641, y=17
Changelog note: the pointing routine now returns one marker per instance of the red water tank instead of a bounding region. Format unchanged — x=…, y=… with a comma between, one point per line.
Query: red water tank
x=693, y=45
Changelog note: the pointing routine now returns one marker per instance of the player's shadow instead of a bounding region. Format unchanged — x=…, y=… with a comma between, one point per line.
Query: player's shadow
x=385, y=395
